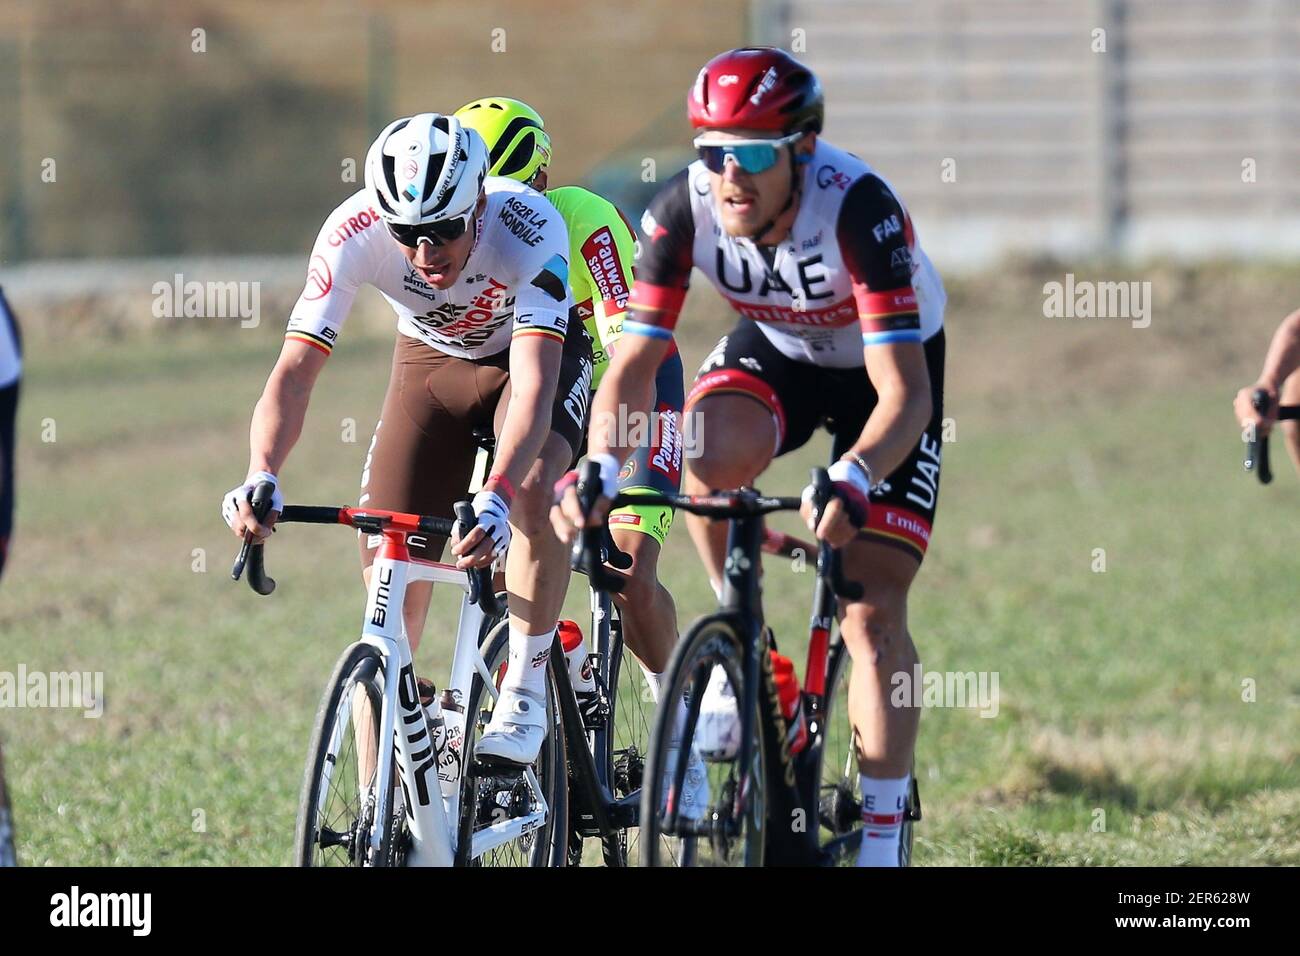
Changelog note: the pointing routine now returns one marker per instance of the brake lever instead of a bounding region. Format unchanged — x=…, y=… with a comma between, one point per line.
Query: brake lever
x=481, y=591
x=586, y=555
x=251, y=555
x=828, y=559
x=1257, y=449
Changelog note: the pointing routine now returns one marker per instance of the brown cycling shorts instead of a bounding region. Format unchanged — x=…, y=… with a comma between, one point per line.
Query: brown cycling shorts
x=422, y=455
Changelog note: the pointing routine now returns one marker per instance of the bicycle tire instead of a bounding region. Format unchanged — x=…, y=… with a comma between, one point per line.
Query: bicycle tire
x=360, y=665
x=711, y=641
x=550, y=846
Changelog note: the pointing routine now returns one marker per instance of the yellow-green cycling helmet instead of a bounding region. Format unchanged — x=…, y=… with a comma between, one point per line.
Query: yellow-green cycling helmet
x=517, y=144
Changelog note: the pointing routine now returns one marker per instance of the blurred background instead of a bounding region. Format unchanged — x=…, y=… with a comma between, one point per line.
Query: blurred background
x=1096, y=544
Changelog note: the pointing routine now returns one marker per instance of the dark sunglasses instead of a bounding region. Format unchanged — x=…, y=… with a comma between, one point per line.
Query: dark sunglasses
x=751, y=155
x=437, y=233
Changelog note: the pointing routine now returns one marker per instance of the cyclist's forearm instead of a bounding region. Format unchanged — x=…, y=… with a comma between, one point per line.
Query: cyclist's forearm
x=534, y=378
x=277, y=424
x=1283, y=357
x=280, y=412
x=625, y=397
x=892, y=430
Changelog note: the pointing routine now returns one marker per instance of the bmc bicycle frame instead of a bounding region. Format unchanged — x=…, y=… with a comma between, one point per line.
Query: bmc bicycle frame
x=432, y=820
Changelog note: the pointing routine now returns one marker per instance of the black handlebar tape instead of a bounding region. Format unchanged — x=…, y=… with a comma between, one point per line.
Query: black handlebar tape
x=480, y=579
x=250, y=552
x=1257, y=456
x=828, y=559
x=587, y=547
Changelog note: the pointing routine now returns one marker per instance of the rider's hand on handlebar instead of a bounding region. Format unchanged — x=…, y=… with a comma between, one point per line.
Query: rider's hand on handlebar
x=846, y=512
x=567, y=517
x=238, y=512
x=1244, y=408
x=488, y=538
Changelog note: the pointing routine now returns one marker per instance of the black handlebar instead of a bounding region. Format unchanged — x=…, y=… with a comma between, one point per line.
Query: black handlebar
x=828, y=559
x=250, y=552
x=1257, y=457
x=594, y=547
x=251, y=556
x=481, y=591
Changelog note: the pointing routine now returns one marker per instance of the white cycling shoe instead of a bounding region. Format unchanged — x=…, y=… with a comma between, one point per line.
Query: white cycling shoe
x=516, y=730
x=717, y=730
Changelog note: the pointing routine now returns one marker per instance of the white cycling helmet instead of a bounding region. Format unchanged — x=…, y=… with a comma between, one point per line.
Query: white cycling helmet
x=426, y=168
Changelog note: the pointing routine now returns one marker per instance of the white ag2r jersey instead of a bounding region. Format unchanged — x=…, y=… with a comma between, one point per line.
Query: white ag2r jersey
x=516, y=280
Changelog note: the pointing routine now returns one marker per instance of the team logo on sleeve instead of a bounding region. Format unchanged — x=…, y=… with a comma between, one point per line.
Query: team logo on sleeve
x=319, y=279
x=554, y=278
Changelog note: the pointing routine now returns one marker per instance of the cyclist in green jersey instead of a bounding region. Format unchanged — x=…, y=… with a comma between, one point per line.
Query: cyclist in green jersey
x=602, y=246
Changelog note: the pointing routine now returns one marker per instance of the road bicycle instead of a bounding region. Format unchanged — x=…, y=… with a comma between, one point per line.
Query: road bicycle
x=366, y=804
x=765, y=804
x=607, y=769
x=1257, y=455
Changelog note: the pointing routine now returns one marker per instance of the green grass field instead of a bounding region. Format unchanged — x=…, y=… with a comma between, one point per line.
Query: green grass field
x=1122, y=735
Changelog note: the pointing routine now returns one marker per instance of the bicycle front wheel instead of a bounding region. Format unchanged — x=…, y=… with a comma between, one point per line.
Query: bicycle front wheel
x=699, y=805
x=338, y=807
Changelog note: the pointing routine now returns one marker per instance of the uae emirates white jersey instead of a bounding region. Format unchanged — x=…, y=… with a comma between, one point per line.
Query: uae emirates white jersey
x=850, y=273
x=516, y=281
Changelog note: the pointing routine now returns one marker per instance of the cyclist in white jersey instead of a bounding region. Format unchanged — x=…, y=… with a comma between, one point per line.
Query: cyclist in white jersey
x=841, y=326
x=476, y=268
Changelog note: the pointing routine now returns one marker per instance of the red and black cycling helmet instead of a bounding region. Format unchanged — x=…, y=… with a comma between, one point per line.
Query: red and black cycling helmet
x=757, y=87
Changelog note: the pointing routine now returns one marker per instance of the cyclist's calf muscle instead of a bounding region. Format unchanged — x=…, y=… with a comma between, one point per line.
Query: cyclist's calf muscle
x=876, y=634
x=645, y=606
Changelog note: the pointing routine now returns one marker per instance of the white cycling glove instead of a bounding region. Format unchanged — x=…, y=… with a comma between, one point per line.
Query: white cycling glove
x=851, y=486
x=609, y=469
x=230, y=501
x=494, y=518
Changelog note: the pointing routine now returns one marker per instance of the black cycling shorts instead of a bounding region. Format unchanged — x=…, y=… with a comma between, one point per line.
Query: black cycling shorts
x=804, y=397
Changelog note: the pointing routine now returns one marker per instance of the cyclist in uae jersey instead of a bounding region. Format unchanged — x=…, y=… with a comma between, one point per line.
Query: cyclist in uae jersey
x=841, y=326
x=476, y=269
x=601, y=250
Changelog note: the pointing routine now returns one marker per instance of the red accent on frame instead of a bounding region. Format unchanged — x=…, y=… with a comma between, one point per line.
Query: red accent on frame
x=814, y=681
x=394, y=546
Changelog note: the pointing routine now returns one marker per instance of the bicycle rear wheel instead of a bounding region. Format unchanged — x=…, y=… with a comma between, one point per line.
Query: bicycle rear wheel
x=839, y=808
x=337, y=809
x=494, y=798
x=721, y=819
